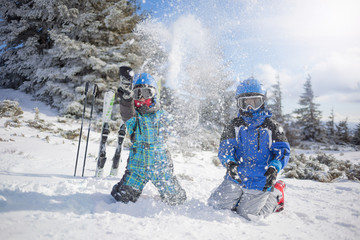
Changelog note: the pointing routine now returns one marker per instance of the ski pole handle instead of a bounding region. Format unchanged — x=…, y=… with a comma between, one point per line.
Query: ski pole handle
x=95, y=89
x=86, y=87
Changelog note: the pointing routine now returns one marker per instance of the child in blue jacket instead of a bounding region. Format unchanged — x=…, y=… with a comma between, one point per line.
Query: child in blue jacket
x=253, y=148
x=149, y=160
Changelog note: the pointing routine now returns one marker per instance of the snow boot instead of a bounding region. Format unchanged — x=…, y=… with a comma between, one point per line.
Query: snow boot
x=281, y=186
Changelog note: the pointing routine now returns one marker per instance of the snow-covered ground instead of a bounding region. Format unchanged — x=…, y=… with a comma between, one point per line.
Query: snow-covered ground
x=41, y=199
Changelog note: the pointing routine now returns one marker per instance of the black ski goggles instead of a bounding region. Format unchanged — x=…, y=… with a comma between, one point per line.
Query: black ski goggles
x=253, y=102
x=144, y=92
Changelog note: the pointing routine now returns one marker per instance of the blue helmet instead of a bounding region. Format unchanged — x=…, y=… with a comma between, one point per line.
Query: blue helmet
x=146, y=86
x=249, y=87
x=145, y=79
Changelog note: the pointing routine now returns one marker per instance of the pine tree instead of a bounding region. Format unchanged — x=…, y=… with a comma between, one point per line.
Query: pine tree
x=275, y=101
x=356, y=138
x=53, y=47
x=308, y=115
x=276, y=107
x=24, y=33
x=330, y=127
x=342, y=132
x=292, y=131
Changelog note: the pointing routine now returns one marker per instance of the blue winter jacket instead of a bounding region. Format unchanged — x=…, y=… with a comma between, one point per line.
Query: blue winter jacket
x=255, y=143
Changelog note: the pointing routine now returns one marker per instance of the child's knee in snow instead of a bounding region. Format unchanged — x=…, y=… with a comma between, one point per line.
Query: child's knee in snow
x=174, y=199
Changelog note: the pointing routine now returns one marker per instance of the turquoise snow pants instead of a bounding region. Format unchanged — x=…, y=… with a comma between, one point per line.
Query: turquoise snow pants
x=149, y=167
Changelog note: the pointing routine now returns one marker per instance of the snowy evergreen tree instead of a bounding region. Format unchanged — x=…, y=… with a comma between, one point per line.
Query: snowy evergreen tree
x=330, y=128
x=308, y=115
x=23, y=31
x=356, y=137
x=276, y=107
x=343, y=132
x=54, y=47
x=275, y=101
x=292, y=130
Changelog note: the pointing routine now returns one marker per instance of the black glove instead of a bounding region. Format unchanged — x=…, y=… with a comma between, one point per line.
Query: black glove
x=233, y=172
x=124, y=93
x=126, y=75
x=270, y=174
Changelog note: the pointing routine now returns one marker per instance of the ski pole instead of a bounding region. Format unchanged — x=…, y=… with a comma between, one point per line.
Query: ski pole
x=87, y=137
x=81, y=128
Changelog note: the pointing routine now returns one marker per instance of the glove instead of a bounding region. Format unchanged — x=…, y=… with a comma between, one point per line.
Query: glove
x=233, y=172
x=125, y=93
x=126, y=75
x=270, y=174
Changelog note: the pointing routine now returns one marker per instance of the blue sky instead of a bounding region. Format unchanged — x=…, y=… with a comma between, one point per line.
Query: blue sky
x=288, y=38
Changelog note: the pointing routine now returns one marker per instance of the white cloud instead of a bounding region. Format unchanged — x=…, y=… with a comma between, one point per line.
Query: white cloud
x=309, y=20
x=338, y=74
x=291, y=83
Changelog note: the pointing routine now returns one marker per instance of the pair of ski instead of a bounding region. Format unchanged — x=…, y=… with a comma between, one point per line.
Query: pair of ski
x=109, y=98
x=126, y=76
x=95, y=87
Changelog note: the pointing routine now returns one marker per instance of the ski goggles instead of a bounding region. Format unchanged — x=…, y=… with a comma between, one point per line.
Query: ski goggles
x=253, y=102
x=144, y=92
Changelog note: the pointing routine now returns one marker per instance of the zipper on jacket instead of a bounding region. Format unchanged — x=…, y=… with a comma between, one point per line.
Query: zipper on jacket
x=258, y=138
x=137, y=124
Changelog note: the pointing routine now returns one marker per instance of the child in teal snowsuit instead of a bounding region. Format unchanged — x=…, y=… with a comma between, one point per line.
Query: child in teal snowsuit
x=149, y=160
